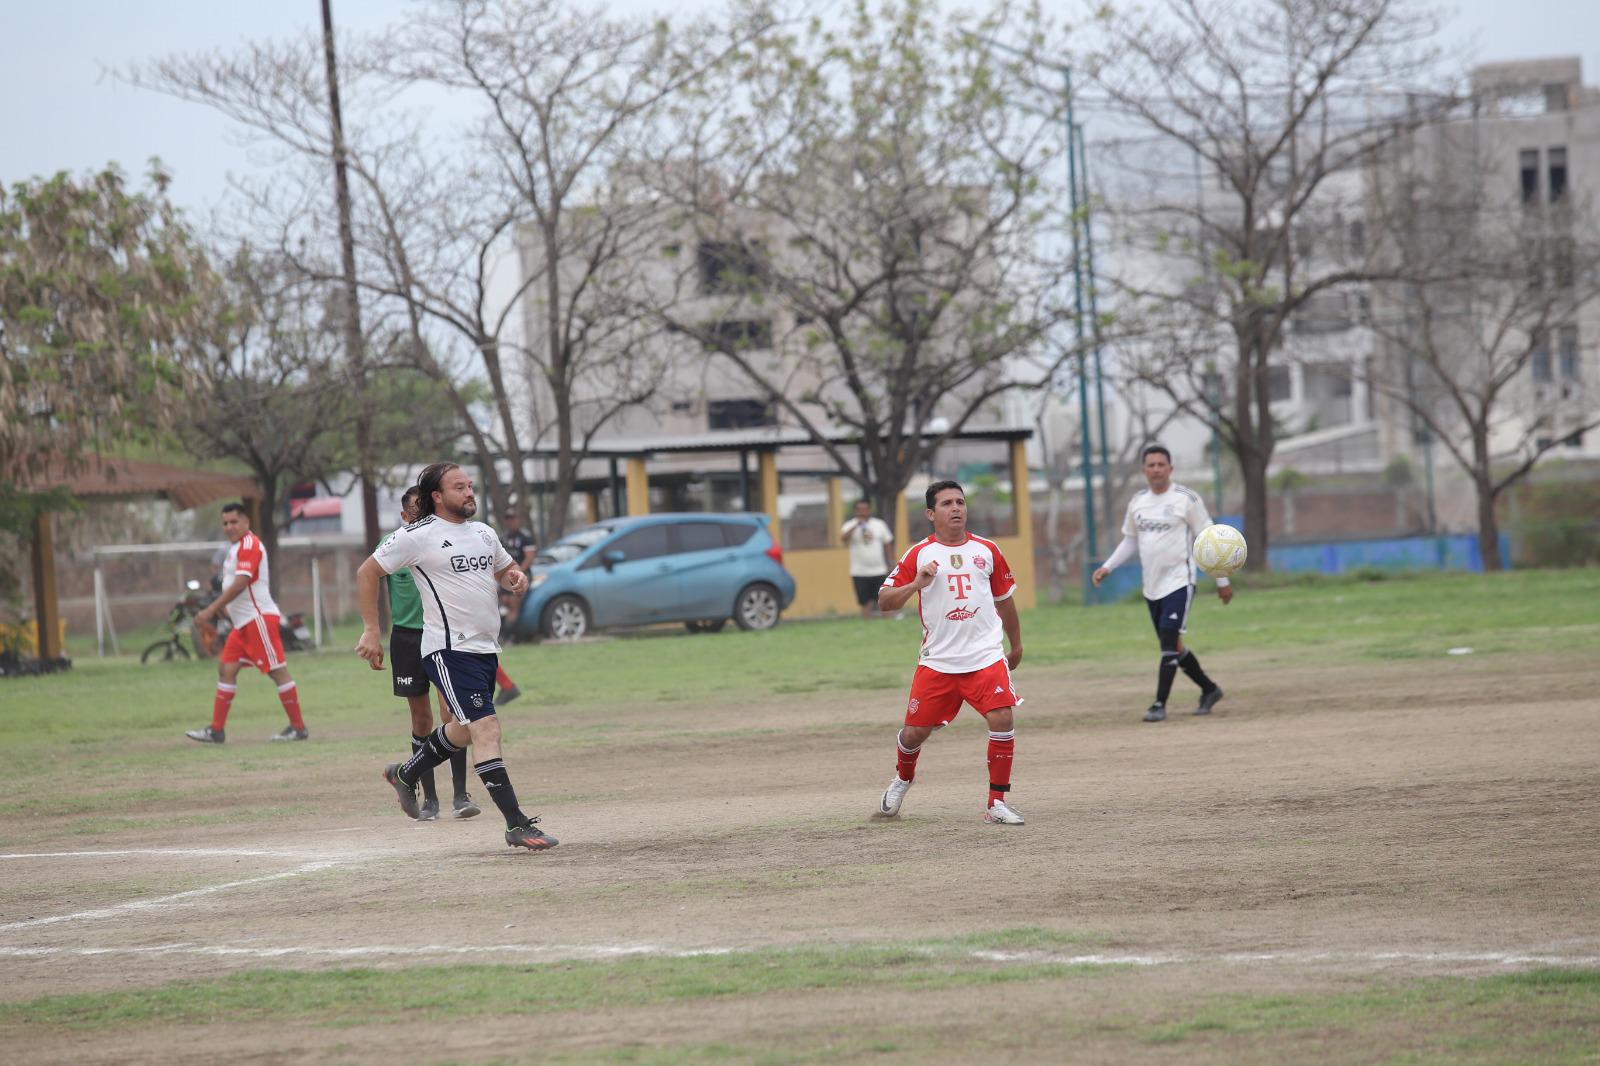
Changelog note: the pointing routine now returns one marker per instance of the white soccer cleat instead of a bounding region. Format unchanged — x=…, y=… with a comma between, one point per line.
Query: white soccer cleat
x=889, y=806
x=999, y=814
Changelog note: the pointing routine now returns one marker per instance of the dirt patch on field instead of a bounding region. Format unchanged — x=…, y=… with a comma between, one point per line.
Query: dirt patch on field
x=1398, y=819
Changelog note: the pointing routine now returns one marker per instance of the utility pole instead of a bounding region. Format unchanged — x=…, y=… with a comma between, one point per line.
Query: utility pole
x=354, y=346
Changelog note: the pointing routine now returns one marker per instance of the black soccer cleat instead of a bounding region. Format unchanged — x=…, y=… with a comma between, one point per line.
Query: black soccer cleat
x=464, y=806
x=291, y=733
x=1156, y=713
x=406, y=793
x=527, y=836
x=207, y=735
x=1209, y=700
x=429, y=811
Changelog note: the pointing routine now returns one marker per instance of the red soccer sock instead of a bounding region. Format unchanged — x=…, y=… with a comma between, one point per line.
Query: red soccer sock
x=1001, y=748
x=220, y=705
x=906, y=759
x=502, y=678
x=289, y=696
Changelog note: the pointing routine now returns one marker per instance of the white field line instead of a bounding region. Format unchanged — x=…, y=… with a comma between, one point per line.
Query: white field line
x=1497, y=958
x=182, y=852
x=611, y=951
x=168, y=901
x=556, y=951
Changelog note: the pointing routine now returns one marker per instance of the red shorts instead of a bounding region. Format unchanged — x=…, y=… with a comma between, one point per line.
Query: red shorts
x=257, y=643
x=936, y=697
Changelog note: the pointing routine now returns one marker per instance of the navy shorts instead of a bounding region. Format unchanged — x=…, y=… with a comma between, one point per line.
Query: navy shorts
x=466, y=681
x=1172, y=610
x=405, y=661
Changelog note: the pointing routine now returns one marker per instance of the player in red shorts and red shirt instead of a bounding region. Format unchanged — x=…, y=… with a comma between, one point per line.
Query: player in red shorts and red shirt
x=247, y=598
x=964, y=588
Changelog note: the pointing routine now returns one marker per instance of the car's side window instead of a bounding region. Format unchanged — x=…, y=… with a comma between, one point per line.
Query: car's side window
x=648, y=542
x=700, y=536
x=736, y=533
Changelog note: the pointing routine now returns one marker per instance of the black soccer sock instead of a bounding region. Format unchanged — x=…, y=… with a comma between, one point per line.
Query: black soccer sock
x=458, y=771
x=493, y=775
x=1164, y=676
x=435, y=750
x=1190, y=664
x=1169, y=664
x=429, y=792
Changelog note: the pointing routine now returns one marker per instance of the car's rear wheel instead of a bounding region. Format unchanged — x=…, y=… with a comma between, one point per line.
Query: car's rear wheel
x=567, y=618
x=705, y=625
x=758, y=607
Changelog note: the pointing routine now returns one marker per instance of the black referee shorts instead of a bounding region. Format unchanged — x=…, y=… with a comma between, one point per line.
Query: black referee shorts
x=405, y=662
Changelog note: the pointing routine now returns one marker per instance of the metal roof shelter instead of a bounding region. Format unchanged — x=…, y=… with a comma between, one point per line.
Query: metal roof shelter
x=820, y=573
x=107, y=478
x=765, y=442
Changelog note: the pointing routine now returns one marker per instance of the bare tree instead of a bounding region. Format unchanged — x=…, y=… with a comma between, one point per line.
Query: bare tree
x=1257, y=119
x=423, y=233
x=1484, y=352
x=869, y=217
x=569, y=93
x=274, y=389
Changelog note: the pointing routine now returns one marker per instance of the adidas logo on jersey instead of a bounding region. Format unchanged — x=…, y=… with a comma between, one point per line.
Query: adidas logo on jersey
x=447, y=544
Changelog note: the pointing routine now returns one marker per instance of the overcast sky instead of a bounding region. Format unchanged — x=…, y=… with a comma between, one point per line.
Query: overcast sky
x=60, y=111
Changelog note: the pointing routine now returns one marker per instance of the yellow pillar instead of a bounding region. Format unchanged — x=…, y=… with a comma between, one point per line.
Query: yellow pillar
x=769, y=494
x=638, y=488
x=903, y=533
x=46, y=608
x=835, y=511
x=1021, y=504
x=593, y=501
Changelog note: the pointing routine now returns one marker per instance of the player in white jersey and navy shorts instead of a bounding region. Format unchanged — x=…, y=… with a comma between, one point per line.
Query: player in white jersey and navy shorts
x=459, y=567
x=964, y=593
x=254, y=640
x=1160, y=527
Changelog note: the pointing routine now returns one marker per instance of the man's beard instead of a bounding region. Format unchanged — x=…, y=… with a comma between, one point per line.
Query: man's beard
x=462, y=513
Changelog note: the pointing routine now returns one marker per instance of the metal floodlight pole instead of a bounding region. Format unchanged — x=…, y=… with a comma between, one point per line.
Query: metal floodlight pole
x=1091, y=542
x=1090, y=539
x=1094, y=327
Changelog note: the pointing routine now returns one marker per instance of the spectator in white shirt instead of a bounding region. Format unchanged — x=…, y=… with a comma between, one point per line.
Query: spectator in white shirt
x=871, y=545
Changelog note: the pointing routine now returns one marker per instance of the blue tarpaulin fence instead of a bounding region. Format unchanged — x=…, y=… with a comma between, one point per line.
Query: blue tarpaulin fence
x=1452, y=552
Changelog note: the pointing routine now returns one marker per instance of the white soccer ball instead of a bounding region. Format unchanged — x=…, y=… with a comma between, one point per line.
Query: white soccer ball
x=1220, y=549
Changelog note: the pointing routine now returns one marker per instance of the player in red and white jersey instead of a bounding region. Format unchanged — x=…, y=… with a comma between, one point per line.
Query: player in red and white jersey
x=254, y=639
x=964, y=589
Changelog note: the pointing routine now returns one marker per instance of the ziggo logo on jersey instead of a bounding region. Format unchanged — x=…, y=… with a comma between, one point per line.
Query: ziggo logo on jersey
x=462, y=564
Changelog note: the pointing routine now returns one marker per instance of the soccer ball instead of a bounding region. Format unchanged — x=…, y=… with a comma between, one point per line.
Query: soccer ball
x=1220, y=549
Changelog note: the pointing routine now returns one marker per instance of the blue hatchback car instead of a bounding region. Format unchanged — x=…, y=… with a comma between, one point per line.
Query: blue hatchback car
x=698, y=569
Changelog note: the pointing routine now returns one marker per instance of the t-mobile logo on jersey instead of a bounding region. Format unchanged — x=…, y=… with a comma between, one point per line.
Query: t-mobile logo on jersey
x=959, y=584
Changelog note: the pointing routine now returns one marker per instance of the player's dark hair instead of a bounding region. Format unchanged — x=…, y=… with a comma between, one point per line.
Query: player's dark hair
x=235, y=505
x=1155, y=449
x=428, y=483
x=938, y=487
x=409, y=497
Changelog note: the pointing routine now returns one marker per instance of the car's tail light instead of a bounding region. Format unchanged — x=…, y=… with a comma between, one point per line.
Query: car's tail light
x=775, y=553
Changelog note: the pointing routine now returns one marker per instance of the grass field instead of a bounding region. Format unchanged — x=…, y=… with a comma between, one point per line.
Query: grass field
x=1376, y=851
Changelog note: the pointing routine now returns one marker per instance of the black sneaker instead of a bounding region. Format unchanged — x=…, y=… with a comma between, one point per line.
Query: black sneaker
x=1156, y=713
x=507, y=695
x=407, y=793
x=291, y=733
x=465, y=808
x=526, y=836
x=1209, y=700
x=206, y=735
x=429, y=811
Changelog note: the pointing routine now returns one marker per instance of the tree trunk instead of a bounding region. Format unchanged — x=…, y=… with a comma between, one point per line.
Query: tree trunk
x=1253, y=468
x=1488, y=528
